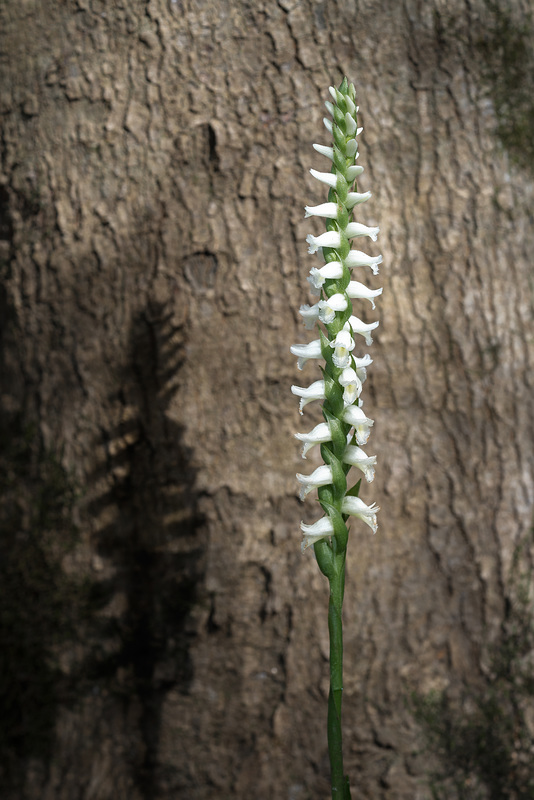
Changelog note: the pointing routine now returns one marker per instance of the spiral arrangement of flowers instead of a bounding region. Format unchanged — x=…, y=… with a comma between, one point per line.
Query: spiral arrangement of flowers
x=346, y=427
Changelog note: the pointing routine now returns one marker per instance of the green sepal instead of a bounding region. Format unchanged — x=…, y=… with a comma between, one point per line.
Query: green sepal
x=342, y=216
x=326, y=493
x=340, y=158
x=333, y=394
x=338, y=431
x=341, y=533
x=339, y=119
x=339, y=479
x=325, y=557
x=344, y=87
x=340, y=100
x=339, y=137
x=344, y=247
x=342, y=188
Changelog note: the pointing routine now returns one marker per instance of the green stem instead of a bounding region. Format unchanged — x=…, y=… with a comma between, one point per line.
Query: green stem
x=340, y=784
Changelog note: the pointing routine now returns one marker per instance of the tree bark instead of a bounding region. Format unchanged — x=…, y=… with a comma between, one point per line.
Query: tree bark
x=164, y=637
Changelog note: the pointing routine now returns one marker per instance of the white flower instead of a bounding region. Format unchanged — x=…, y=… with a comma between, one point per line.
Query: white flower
x=307, y=394
x=334, y=269
x=328, y=308
x=352, y=385
x=354, y=198
x=306, y=351
x=360, y=365
x=319, y=435
x=352, y=173
x=328, y=124
x=357, y=229
x=350, y=104
x=326, y=239
x=325, y=151
x=310, y=314
x=357, y=291
x=353, y=415
x=355, y=456
x=343, y=346
x=350, y=124
x=329, y=178
x=356, y=258
x=351, y=148
x=321, y=476
x=315, y=532
x=328, y=210
x=357, y=508
x=357, y=326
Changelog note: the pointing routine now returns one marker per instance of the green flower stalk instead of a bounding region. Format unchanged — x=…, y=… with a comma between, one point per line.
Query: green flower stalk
x=345, y=427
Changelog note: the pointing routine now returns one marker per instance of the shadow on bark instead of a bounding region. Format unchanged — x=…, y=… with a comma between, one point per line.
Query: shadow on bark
x=125, y=632
x=155, y=544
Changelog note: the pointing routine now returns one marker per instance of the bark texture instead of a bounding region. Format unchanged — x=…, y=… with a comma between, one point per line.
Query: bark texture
x=162, y=636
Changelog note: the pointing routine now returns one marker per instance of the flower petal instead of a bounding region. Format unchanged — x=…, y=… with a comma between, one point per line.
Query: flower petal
x=357, y=508
x=306, y=351
x=356, y=258
x=315, y=532
x=321, y=476
x=307, y=394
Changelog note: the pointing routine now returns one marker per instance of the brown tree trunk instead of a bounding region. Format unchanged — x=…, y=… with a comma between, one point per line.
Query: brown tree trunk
x=161, y=635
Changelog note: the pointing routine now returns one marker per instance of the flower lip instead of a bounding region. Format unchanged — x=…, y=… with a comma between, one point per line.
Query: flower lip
x=356, y=258
x=326, y=239
x=321, y=476
x=343, y=346
x=320, y=434
x=357, y=458
x=357, y=508
x=306, y=351
x=307, y=394
x=316, y=531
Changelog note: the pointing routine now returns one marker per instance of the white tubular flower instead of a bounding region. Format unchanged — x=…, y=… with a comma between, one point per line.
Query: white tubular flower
x=310, y=315
x=355, y=198
x=328, y=210
x=319, y=435
x=360, y=365
x=327, y=239
x=328, y=308
x=356, y=258
x=357, y=291
x=357, y=458
x=352, y=385
x=324, y=151
x=329, y=178
x=357, y=229
x=321, y=476
x=357, y=326
x=307, y=394
x=306, y=351
x=353, y=415
x=351, y=173
x=317, y=277
x=328, y=124
x=343, y=345
x=350, y=104
x=314, y=533
x=352, y=148
x=357, y=508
